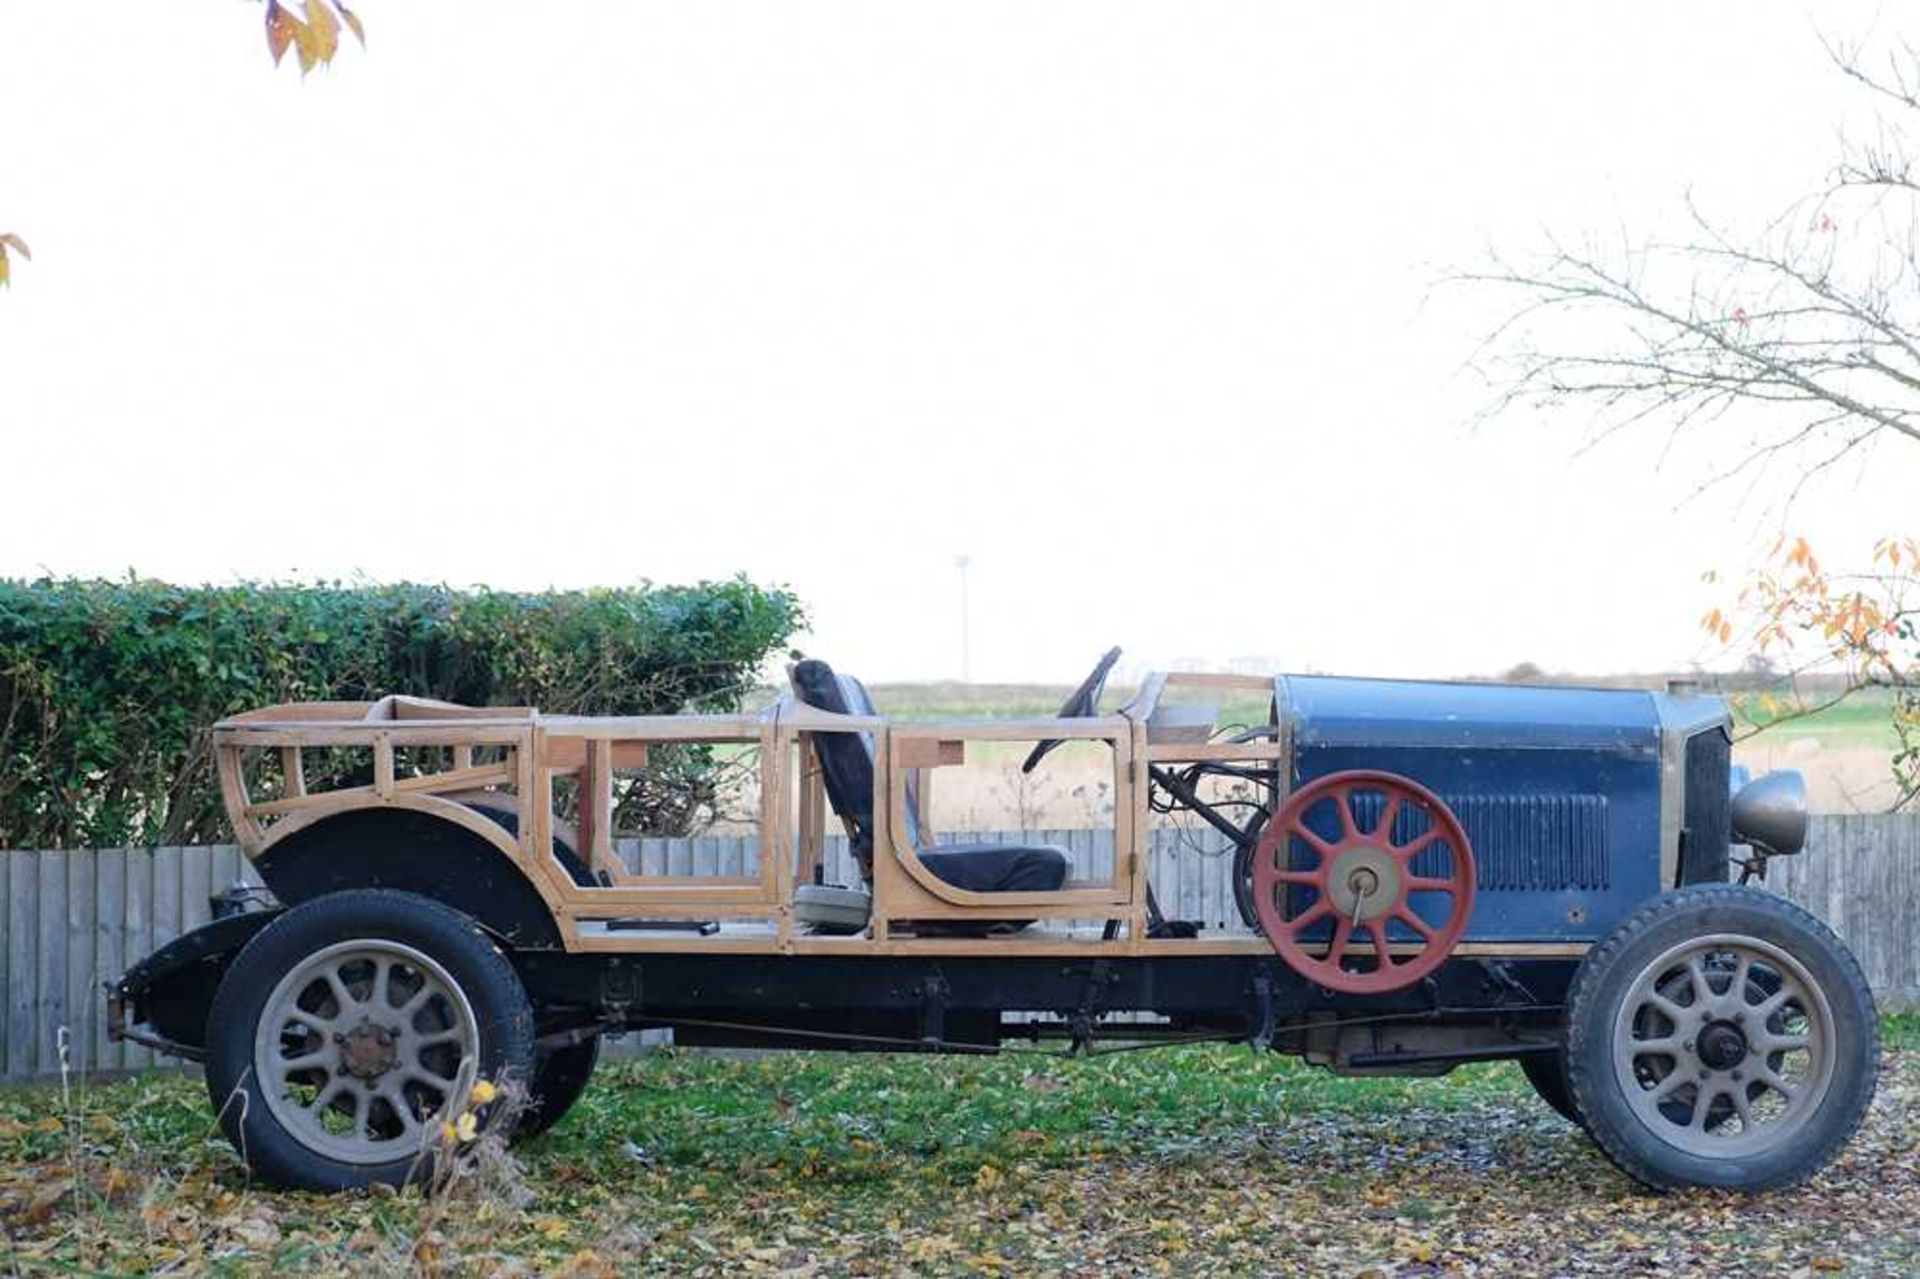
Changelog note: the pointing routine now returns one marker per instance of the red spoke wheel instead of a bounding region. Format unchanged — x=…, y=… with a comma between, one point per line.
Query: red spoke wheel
x=1362, y=882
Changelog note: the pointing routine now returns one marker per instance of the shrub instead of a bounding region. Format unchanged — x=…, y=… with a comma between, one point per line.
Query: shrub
x=108, y=688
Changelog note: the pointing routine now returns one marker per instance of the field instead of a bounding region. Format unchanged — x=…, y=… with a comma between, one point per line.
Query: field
x=1199, y=1159
x=1844, y=752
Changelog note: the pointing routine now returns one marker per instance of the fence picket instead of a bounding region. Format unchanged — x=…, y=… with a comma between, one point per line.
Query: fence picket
x=109, y=946
x=23, y=972
x=166, y=895
x=50, y=1005
x=82, y=897
x=139, y=934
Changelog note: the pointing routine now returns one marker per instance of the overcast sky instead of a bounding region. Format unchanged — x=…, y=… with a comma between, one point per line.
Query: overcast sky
x=1127, y=303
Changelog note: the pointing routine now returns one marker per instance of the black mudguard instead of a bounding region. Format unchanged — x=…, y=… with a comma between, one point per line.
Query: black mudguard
x=162, y=1001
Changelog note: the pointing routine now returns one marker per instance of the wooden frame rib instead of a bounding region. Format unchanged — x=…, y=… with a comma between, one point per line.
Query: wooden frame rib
x=757, y=908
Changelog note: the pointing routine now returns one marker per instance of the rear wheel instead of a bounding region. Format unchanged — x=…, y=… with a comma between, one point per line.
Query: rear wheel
x=559, y=1077
x=350, y=1027
x=1721, y=1037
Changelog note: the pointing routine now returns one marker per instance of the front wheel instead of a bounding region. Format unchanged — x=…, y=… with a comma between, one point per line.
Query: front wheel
x=1721, y=1036
x=350, y=1028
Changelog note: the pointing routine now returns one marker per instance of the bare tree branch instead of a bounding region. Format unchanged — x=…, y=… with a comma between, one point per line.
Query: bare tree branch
x=1797, y=338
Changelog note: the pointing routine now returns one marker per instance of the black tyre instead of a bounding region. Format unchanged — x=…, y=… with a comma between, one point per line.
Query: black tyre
x=346, y=1030
x=1721, y=1037
x=559, y=1077
x=1548, y=1075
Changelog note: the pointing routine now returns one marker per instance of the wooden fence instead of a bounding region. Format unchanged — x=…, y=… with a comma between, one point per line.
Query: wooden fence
x=71, y=920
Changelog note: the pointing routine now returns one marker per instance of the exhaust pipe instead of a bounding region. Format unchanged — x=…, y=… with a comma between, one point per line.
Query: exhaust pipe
x=1771, y=814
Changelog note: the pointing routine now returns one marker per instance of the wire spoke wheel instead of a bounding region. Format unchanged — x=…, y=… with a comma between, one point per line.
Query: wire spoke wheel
x=1724, y=1046
x=1346, y=857
x=359, y=1046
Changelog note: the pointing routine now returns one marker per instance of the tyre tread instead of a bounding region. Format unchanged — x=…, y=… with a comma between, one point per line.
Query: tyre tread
x=1599, y=961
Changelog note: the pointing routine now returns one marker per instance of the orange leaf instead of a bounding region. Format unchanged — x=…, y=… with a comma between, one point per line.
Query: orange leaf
x=282, y=30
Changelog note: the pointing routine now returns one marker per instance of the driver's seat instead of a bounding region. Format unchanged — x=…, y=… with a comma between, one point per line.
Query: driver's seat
x=846, y=765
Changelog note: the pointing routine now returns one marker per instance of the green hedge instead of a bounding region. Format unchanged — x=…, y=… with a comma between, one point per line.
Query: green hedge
x=107, y=688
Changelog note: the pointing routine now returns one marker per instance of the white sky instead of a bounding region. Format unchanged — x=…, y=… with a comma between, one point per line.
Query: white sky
x=1123, y=301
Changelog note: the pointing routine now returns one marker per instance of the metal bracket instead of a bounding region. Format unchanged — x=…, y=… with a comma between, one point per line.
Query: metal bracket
x=933, y=1007
x=619, y=988
x=1262, y=1019
x=1092, y=1004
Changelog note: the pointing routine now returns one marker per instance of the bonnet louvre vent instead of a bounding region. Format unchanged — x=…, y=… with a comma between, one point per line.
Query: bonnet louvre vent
x=1520, y=842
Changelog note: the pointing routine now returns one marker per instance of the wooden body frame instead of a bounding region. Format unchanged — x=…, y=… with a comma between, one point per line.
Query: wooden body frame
x=510, y=756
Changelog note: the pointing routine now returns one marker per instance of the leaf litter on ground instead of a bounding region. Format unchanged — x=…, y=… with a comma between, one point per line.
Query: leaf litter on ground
x=1194, y=1160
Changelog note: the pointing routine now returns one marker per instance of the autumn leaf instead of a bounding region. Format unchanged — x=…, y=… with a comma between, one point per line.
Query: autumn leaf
x=314, y=38
x=14, y=242
x=282, y=28
x=257, y=1233
x=318, y=38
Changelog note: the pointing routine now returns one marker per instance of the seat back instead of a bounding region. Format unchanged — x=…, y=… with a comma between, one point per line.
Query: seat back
x=846, y=759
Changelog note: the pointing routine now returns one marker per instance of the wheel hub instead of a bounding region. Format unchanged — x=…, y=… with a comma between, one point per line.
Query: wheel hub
x=1721, y=1046
x=367, y=1051
x=1364, y=883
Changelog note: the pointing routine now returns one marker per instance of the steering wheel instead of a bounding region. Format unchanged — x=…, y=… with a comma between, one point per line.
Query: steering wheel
x=1082, y=703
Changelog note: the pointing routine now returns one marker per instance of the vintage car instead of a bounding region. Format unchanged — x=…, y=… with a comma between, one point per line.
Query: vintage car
x=1429, y=874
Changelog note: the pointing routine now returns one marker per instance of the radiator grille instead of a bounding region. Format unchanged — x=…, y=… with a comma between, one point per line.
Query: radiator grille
x=1708, y=823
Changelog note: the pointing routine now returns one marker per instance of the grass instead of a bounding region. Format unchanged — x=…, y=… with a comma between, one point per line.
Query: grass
x=676, y=1152
x=861, y=1120
x=720, y=1119
x=683, y=1161
x=1900, y=1031
x=1863, y=720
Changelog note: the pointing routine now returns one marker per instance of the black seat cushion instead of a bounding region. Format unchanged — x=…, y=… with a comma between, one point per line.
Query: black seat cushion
x=998, y=868
x=846, y=766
